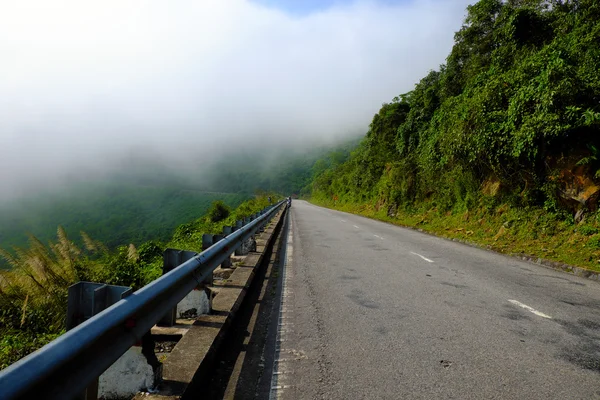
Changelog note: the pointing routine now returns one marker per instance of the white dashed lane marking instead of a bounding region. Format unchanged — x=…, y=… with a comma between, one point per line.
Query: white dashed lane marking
x=424, y=258
x=530, y=309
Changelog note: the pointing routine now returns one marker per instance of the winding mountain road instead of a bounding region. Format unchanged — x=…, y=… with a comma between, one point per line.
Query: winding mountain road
x=374, y=311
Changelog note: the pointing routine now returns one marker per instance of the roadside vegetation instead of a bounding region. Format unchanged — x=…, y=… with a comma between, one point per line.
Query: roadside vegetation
x=499, y=146
x=33, y=292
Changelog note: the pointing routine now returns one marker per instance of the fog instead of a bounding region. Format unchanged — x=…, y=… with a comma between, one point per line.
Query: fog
x=86, y=86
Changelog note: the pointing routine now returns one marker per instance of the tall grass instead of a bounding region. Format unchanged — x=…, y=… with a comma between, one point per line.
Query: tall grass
x=34, y=291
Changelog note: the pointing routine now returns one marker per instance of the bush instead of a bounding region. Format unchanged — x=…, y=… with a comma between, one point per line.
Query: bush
x=588, y=230
x=218, y=211
x=15, y=345
x=150, y=251
x=594, y=242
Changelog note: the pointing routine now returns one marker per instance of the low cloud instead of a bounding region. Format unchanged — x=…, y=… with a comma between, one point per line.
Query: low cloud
x=83, y=84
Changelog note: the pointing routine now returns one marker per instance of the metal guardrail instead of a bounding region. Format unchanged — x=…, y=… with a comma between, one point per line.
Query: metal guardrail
x=63, y=368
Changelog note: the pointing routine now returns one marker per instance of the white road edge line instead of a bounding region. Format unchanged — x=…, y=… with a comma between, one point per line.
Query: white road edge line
x=424, y=258
x=276, y=389
x=343, y=220
x=377, y=236
x=530, y=309
x=356, y=226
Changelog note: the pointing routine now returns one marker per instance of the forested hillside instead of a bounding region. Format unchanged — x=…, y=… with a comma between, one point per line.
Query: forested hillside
x=506, y=130
x=113, y=212
x=146, y=201
x=287, y=170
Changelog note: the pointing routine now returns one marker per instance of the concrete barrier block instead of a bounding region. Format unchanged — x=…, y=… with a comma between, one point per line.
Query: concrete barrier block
x=252, y=260
x=130, y=374
x=240, y=250
x=249, y=245
x=197, y=302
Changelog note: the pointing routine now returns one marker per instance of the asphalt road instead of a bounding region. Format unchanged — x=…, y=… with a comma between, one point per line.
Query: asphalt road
x=374, y=311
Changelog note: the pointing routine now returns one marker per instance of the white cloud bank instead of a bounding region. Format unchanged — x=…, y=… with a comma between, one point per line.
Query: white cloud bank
x=83, y=82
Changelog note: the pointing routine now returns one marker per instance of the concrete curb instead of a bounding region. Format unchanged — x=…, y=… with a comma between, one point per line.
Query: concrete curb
x=556, y=265
x=192, y=358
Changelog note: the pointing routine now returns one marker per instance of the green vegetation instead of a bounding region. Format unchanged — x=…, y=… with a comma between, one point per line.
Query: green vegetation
x=113, y=212
x=218, y=212
x=288, y=172
x=33, y=292
x=500, y=146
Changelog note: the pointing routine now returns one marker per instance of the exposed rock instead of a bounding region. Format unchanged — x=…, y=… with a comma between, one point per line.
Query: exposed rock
x=578, y=191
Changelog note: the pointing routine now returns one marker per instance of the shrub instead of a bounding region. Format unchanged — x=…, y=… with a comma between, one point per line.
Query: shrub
x=594, y=242
x=218, y=211
x=588, y=230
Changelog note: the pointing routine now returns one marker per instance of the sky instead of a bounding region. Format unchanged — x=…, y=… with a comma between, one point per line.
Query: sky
x=304, y=7
x=84, y=85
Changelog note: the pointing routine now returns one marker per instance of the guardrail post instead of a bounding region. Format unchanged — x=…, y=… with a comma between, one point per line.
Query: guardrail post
x=267, y=221
x=172, y=258
x=227, y=230
x=238, y=225
x=217, y=238
x=207, y=241
x=250, y=243
x=86, y=299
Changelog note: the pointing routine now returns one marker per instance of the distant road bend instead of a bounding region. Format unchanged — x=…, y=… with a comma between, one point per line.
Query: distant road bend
x=374, y=311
